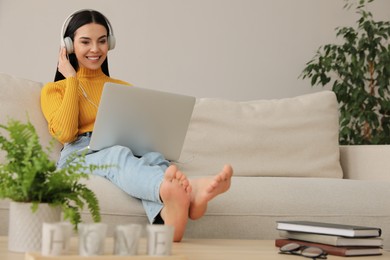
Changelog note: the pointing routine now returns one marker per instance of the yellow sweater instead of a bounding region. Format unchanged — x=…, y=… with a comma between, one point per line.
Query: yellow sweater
x=66, y=109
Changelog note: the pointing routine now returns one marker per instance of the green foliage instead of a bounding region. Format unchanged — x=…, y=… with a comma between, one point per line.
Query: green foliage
x=359, y=72
x=30, y=176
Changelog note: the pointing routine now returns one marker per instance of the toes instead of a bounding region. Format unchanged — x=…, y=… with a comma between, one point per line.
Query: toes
x=227, y=173
x=185, y=183
x=220, y=178
x=170, y=173
x=182, y=179
x=180, y=176
x=228, y=169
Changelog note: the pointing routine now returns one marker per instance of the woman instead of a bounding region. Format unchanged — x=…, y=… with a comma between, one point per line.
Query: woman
x=69, y=105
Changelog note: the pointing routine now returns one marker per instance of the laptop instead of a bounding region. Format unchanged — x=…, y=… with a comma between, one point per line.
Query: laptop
x=144, y=120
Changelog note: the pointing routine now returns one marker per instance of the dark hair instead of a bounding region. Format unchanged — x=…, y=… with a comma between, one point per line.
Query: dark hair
x=76, y=21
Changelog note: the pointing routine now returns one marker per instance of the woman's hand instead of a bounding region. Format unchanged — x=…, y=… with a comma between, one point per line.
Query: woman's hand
x=64, y=66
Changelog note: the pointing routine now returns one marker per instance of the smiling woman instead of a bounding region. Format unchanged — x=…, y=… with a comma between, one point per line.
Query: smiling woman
x=91, y=46
x=70, y=104
x=89, y=31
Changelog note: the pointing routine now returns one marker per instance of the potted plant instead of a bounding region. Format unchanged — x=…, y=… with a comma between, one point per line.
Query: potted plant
x=359, y=71
x=30, y=178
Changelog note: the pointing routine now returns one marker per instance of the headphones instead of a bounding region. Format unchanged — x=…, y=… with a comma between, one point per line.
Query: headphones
x=67, y=41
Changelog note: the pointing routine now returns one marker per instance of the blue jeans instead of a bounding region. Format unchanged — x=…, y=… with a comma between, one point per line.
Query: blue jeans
x=140, y=177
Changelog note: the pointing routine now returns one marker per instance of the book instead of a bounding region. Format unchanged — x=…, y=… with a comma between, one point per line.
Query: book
x=329, y=228
x=331, y=239
x=334, y=250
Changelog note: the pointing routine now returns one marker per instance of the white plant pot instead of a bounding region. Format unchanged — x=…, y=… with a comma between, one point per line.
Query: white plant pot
x=25, y=227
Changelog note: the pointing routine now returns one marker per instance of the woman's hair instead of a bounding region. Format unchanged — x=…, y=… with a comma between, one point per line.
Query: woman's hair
x=76, y=21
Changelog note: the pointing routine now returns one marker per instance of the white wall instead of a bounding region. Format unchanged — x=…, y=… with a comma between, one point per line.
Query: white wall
x=236, y=49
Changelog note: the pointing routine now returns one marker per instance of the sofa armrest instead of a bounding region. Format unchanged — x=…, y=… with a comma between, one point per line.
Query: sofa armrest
x=365, y=162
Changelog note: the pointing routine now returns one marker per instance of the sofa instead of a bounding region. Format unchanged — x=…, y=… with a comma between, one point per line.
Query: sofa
x=287, y=164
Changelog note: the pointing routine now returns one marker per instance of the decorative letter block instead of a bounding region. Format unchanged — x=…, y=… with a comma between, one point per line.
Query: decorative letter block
x=56, y=238
x=91, y=238
x=160, y=239
x=126, y=239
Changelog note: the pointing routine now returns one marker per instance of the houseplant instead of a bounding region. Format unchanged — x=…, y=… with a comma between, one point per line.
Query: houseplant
x=30, y=176
x=358, y=70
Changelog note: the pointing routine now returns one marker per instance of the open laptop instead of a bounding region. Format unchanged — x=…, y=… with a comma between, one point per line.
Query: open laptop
x=142, y=119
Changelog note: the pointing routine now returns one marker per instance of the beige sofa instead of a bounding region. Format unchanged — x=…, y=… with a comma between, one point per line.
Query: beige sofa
x=288, y=165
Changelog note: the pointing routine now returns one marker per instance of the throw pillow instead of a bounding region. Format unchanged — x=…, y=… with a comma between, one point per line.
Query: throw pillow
x=20, y=100
x=290, y=137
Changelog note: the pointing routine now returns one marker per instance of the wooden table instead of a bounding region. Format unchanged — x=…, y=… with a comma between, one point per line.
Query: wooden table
x=194, y=249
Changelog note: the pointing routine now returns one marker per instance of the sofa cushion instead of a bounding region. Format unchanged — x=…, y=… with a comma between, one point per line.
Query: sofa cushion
x=20, y=100
x=291, y=137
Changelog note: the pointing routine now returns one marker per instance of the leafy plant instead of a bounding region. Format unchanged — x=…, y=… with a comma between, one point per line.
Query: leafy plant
x=28, y=175
x=359, y=71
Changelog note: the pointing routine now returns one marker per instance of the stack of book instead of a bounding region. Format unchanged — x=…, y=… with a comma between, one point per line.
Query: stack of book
x=335, y=239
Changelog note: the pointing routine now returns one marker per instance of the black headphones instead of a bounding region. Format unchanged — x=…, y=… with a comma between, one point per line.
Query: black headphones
x=67, y=41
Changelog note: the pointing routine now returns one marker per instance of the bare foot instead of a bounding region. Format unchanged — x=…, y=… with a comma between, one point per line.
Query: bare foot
x=205, y=189
x=175, y=194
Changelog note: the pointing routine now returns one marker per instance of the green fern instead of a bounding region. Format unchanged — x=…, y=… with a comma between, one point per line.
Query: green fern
x=29, y=175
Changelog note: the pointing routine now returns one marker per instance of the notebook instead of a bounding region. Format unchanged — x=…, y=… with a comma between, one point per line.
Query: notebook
x=144, y=120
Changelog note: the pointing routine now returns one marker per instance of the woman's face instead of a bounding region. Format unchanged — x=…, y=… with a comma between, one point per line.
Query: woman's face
x=91, y=45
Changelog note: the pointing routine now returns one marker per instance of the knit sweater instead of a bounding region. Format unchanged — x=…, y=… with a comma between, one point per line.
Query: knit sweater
x=68, y=111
